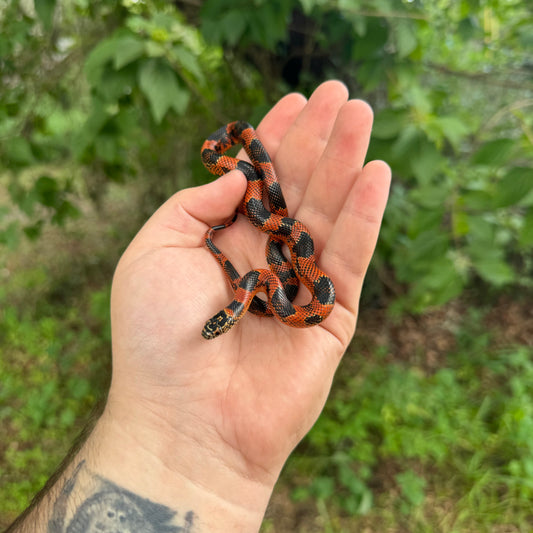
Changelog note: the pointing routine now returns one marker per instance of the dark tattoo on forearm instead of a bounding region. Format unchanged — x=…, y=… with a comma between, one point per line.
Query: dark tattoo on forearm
x=109, y=508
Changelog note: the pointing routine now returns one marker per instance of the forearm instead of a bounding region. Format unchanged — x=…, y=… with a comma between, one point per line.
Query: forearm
x=115, y=482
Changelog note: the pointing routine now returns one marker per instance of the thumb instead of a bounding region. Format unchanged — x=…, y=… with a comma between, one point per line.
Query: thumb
x=214, y=202
x=185, y=217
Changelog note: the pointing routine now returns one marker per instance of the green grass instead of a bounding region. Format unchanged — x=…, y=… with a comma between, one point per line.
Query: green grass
x=54, y=363
x=50, y=382
x=409, y=449
x=401, y=446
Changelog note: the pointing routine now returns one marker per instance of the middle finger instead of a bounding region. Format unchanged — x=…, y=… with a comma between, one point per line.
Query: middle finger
x=305, y=140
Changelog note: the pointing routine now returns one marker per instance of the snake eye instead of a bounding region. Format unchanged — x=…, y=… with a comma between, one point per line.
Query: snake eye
x=217, y=325
x=210, y=331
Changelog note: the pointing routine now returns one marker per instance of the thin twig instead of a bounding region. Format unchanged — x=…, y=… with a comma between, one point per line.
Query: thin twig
x=385, y=14
x=481, y=77
x=514, y=106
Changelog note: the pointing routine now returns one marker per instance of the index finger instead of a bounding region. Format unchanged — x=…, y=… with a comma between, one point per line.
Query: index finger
x=276, y=122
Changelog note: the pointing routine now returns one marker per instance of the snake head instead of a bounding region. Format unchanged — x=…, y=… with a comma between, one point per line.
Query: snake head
x=217, y=325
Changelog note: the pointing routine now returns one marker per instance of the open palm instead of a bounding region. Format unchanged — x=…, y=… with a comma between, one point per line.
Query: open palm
x=250, y=395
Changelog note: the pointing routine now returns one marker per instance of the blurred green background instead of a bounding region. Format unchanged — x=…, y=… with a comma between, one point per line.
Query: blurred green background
x=103, y=108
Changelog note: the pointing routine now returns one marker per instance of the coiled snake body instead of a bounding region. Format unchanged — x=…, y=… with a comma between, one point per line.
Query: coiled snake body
x=280, y=281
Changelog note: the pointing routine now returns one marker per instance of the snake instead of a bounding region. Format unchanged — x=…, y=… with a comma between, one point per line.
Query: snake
x=281, y=281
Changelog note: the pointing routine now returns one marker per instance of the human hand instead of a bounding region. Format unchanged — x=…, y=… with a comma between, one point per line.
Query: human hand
x=235, y=407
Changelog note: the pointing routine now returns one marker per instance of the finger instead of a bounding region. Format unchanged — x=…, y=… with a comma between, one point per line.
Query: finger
x=304, y=142
x=337, y=169
x=276, y=122
x=184, y=218
x=353, y=239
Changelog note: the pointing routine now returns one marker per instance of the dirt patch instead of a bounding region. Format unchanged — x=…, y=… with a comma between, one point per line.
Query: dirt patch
x=422, y=340
x=512, y=320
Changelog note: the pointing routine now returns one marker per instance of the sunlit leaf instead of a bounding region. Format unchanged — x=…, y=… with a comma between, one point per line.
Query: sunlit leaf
x=494, y=153
x=514, y=186
x=453, y=129
x=412, y=486
x=490, y=264
x=45, y=10
x=405, y=37
x=494, y=270
x=189, y=62
x=161, y=87
x=127, y=49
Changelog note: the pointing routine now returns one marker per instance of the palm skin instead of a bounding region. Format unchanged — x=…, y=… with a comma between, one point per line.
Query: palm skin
x=246, y=398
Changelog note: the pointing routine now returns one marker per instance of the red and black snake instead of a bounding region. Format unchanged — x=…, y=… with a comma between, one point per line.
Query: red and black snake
x=280, y=282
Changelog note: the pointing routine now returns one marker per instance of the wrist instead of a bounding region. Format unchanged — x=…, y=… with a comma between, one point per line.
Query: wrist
x=179, y=471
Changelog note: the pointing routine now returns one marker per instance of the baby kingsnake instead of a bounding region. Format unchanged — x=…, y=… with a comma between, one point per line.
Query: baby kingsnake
x=280, y=282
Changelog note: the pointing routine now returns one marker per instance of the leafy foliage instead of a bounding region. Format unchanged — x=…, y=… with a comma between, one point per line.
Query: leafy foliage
x=95, y=94
x=402, y=424
x=46, y=391
x=102, y=97
x=451, y=115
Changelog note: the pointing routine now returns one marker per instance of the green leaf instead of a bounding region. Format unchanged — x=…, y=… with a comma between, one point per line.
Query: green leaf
x=405, y=37
x=460, y=224
x=307, y=6
x=477, y=200
x=34, y=231
x=494, y=270
x=424, y=220
x=412, y=486
x=21, y=197
x=47, y=191
x=45, y=11
x=513, y=187
x=493, y=153
x=489, y=262
x=188, y=61
x=233, y=24
x=65, y=210
x=416, y=256
x=155, y=49
x=18, y=151
x=389, y=122
x=439, y=283
x=452, y=128
x=427, y=163
x=351, y=480
x=93, y=125
x=97, y=59
x=407, y=142
x=323, y=487
x=371, y=73
x=482, y=232
x=371, y=46
x=467, y=28
x=10, y=236
x=526, y=233
x=127, y=49
x=116, y=84
x=106, y=148
x=429, y=195
x=160, y=85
